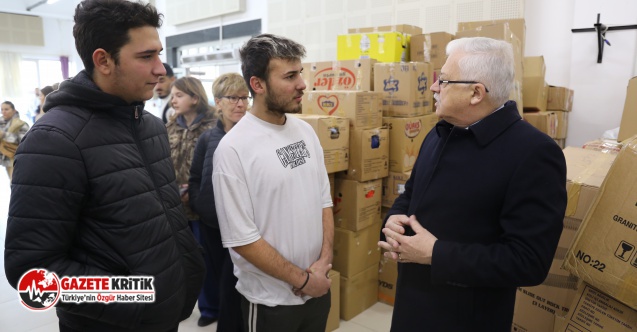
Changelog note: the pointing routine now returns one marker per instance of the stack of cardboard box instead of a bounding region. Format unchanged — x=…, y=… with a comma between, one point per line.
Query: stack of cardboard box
x=536, y=307
x=545, y=107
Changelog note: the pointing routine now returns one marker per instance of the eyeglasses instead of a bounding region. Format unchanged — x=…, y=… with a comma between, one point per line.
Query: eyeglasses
x=235, y=99
x=441, y=82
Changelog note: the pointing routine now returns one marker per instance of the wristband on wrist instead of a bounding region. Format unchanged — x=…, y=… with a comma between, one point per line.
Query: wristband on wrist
x=306, y=280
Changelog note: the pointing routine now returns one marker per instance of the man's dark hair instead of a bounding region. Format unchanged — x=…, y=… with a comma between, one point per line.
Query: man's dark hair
x=106, y=23
x=259, y=50
x=169, y=70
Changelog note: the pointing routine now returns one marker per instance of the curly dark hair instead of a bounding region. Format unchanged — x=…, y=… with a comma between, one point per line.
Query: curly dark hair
x=105, y=24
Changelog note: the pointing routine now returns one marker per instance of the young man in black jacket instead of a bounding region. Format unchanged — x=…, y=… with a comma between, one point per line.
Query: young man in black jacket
x=93, y=190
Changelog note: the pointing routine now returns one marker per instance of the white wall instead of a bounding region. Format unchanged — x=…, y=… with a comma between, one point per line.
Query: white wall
x=58, y=41
x=571, y=58
x=255, y=9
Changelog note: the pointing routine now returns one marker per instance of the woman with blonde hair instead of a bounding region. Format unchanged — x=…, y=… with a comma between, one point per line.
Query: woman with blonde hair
x=232, y=99
x=192, y=117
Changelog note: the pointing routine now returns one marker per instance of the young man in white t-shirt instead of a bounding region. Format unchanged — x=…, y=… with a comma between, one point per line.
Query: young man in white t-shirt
x=272, y=197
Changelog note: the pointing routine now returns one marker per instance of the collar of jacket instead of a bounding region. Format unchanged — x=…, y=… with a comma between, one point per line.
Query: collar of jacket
x=201, y=118
x=81, y=91
x=487, y=129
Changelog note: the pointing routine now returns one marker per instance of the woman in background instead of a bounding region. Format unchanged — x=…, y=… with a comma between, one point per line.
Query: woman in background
x=232, y=99
x=13, y=129
x=192, y=117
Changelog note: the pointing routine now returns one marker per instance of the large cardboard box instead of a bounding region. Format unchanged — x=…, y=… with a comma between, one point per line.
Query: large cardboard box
x=356, y=251
x=404, y=28
x=359, y=292
x=369, y=155
x=360, y=107
x=387, y=276
x=350, y=75
x=357, y=204
x=535, y=90
x=384, y=46
x=334, y=317
x=517, y=26
x=560, y=99
x=393, y=186
x=628, y=126
x=405, y=138
x=594, y=311
x=333, y=133
x=545, y=122
x=404, y=88
x=585, y=172
x=430, y=47
x=604, y=253
x=535, y=307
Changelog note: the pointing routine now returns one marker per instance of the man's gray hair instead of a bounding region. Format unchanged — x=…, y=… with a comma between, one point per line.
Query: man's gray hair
x=488, y=61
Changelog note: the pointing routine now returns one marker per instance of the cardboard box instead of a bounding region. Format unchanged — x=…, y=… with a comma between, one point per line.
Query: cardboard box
x=545, y=122
x=360, y=107
x=405, y=138
x=535, y=89
x=382, y=46
x=393, y=186
x=349, y=75
x=430, y=47
x=334, y=317
x=517, y=26
x=404, y=28
x=387, y=276
x=628, y=126
x=404, y=88
x=359, y=292
x=560, y=99
x=535, y=307
x=592, y=310
x=333, y=133
x=561, y=128
x=604, y=253
x=369, y=155
x=356, y=251
x=357, y=204
x=585, y=172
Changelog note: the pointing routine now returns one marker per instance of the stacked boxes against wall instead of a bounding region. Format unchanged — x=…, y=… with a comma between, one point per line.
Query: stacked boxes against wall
x=536, y=307
x=345, y=89
x=545, y=107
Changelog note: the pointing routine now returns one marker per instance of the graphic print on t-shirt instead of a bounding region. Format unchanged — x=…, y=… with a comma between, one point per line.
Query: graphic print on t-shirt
x=293, y=154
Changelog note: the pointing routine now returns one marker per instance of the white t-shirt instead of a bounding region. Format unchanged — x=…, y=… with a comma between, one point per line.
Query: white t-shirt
x=270, y=182
x=156, y=106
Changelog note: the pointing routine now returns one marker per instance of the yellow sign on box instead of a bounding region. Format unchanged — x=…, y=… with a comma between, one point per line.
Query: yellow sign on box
x=382, y=46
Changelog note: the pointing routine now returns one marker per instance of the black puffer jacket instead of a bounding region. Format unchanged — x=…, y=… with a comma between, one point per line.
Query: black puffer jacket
x=94, y=194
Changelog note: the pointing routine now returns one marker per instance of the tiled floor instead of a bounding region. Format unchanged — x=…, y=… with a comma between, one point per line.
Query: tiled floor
x=15, y=318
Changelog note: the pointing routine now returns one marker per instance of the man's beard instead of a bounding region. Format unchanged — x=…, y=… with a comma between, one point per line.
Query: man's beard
x=278, y=106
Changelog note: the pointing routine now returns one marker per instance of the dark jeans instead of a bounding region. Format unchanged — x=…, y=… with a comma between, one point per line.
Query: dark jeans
x=230, y=319
x=308, y=317
x=208, y=301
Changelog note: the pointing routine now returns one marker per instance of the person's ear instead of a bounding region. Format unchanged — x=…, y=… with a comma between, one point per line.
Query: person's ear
x=478, y=94
x=103, y=61
x=257, y=85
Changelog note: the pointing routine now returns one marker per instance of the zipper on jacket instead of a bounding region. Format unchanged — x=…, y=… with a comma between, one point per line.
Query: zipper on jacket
x=137, y=112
